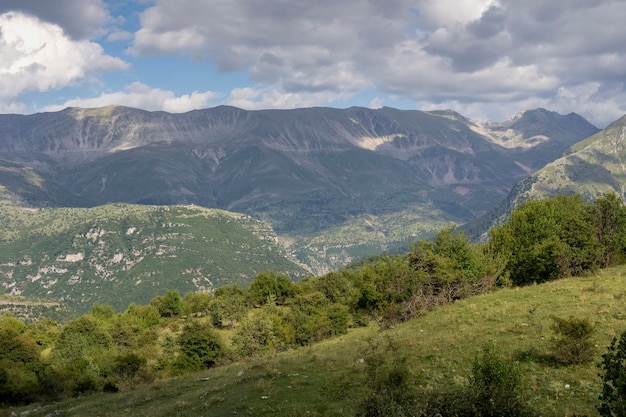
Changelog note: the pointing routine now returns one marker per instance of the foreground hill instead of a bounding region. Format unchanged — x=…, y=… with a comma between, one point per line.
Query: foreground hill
x=335, y=184
x=331, y=377
x=119, y=253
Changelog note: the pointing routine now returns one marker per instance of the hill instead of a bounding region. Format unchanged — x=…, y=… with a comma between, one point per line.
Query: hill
x=329, y=378
x=119, y=253
x=335, y=184
x=590, y=168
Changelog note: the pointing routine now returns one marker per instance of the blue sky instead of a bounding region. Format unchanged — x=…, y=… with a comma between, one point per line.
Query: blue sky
x=486, y=59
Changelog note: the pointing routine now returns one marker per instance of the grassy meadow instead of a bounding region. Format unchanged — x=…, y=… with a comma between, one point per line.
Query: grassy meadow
x=329, y=378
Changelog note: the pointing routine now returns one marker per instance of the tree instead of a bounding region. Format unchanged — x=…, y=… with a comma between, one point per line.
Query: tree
x=268, y=286
x=20, y=365
x=169, y=305
x=199, y=346
x=610, y=222
x=613, y=375
x=196, y=303
x=81, y=357
x=548, y=239
x=255, y=334
x=102, y=312
x=335, y=286
x=231, y=305
x=128, y=367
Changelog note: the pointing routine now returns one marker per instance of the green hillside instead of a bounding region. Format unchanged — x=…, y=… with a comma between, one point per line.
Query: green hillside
x=119, y=253
x=329, y=378
x=450, y=327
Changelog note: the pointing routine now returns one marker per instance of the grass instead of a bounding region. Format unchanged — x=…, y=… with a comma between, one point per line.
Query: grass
x=328, y=378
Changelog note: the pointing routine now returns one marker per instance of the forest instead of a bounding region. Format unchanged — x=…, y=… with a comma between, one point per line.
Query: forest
x=543, y=240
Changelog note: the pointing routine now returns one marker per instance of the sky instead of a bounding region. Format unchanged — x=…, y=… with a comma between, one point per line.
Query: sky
x=486, y=59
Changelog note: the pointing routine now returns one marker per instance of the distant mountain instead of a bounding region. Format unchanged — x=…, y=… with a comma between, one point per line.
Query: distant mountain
x=335, y=184
x=590, y=168
x=119, y=254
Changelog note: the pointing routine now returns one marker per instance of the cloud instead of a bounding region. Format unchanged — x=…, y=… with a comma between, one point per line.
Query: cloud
x=141, y=96
x=119, y=35
x=38, y=56
x=80, y=19
x=251, y=98
x=476, y=53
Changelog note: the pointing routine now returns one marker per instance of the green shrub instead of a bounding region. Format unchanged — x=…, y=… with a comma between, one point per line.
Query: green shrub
x=573, y=345
x=255, y=334
x=196, y=303
x=20, y=365
x=390, y=390
x=493, y=391
x=548, y=239
x=270, y=286
x=494, y=385
x=613, y=376
x=199, y=346
x=169, y=305
x=128, y=368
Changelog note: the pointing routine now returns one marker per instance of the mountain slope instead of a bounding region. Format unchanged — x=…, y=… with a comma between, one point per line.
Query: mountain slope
x=308, y=172
x=118, y=254
x=590, y=168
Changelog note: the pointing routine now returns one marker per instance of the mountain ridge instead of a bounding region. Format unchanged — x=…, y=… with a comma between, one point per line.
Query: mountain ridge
x=305, y=171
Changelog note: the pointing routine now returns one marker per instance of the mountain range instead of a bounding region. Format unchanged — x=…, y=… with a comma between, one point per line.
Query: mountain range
x=335, y=184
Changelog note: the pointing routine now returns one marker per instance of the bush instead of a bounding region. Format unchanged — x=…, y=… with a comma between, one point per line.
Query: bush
x=493, y=391
x=390, y=389
x=81, y=357
x=269, y=287
x=19, y=367
x=199, y=346
x=613, y=375
x=573, y=346
x=169, y=305
x=254, y=335
x=494, y=385
x=128, y=368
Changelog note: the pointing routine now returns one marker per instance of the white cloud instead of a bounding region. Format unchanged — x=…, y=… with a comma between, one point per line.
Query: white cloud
x=141, y=96
x=250, y=98
x=485, y=56
x=38, y=56
x=119, y=35
x=480, y=53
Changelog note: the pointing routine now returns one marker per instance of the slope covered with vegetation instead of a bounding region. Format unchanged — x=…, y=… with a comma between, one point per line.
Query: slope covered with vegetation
x=436, y=350
x=120, y=253
x=417, y=334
